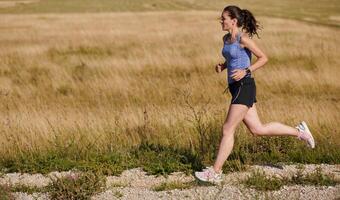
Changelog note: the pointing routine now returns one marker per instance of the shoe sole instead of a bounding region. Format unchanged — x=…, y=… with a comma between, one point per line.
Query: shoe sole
x=309, y=133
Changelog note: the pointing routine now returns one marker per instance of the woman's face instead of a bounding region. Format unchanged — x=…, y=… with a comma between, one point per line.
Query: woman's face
x=226, y=22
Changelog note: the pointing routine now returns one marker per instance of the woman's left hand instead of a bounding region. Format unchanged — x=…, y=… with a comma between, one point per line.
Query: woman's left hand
x=238, y=74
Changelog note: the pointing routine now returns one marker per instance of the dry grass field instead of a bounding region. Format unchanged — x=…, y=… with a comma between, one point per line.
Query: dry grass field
x=110, y=81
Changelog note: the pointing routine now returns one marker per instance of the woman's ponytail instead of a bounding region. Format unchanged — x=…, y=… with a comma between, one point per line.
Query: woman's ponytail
x=249, y=23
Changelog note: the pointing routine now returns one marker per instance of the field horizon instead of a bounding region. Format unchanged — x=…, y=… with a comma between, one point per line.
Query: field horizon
x=310, y=11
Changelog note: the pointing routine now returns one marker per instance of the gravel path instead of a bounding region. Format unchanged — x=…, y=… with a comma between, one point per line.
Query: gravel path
x=136, y=184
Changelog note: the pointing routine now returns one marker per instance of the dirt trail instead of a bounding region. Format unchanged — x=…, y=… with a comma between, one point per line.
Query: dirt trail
x=136, y=184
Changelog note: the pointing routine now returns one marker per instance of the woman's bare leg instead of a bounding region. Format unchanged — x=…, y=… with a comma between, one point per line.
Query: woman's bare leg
x=235, y=115
x=255, y=126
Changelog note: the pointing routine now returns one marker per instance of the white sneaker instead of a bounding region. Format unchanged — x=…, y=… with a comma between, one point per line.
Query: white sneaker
x=305, y=134
x=209, y=175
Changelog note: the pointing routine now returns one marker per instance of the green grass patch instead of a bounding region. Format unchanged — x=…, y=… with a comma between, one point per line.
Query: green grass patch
x=118, y=184
x=118, y=194
x=111, y=163
x=260, y=181
x=160, y=160
x=154, y=159
x=26, y=189
x=173, y=185
x=315, y=178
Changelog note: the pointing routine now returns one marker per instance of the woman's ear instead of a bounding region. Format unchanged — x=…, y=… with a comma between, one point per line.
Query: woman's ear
x=234, y=21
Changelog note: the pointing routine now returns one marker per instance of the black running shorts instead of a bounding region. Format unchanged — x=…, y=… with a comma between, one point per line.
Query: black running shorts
x=243, y=91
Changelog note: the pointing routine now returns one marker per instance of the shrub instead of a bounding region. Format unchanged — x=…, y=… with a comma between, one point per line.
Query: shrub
x=75, y=186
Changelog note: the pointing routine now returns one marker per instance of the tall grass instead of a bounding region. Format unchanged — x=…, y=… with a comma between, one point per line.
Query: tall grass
x=77, y=85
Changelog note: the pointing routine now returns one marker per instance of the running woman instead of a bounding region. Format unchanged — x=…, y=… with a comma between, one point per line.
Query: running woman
x=238, y=48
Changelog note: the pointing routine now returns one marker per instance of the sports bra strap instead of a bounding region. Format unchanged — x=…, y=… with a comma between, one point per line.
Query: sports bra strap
x=239, y=37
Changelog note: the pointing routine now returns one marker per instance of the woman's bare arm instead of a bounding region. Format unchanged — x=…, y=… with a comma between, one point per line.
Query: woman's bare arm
x=261, y=57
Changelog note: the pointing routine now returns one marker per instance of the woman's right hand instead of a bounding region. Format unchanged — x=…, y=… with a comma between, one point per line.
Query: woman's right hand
x=219, y=68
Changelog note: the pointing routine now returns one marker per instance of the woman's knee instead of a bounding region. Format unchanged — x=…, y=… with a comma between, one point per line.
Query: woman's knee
x=258, y=131
x=228, y=129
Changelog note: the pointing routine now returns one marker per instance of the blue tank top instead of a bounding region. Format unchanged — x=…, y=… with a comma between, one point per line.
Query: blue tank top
x=236, y=56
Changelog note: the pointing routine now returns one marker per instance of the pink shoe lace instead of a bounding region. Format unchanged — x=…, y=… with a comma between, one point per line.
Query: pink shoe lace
x=305, y=135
